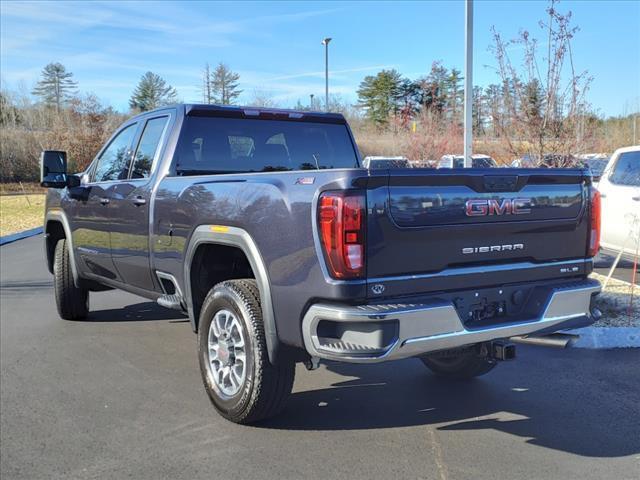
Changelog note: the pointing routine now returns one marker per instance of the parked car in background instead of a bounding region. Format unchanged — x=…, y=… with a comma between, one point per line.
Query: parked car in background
x=525, y=161
x=548, y=160
x=620, y=196
x=457, y=161
x=386, y=162
x=425, y=163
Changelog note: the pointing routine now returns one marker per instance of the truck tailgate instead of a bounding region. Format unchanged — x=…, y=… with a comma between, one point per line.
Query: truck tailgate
x=423, y=222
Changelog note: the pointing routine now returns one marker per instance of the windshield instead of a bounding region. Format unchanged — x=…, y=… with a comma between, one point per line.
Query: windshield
x=596, y=166
x=210, y=145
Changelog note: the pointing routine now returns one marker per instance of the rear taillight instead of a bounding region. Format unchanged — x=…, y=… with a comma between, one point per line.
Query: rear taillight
x=594, y=235
x=341, y=223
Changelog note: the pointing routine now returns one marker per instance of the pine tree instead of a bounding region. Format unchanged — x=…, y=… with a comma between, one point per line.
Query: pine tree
x=152, y=92
x=478, y=110
x=224, y=85
x=381, y=95
x=433, y=95
x=409, y=96
x=56, y=86
x=455, y=93
x=533, y=99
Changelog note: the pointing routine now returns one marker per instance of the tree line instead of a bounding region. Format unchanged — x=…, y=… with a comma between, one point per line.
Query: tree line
x=537, y=106
x=56, y=88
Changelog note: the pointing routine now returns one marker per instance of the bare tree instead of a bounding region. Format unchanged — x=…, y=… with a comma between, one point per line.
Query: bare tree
x=207, y=96
x=262, y=98
x=543, y=99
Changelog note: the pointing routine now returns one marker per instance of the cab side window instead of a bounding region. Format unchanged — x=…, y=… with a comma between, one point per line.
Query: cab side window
x=113, y=164
x=148, y=146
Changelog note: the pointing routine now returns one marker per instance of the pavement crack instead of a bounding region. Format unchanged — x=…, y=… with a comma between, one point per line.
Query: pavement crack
x=436, y=448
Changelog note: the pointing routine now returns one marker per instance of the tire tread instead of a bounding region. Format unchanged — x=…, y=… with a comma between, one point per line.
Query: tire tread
x=272, y=383
x=71, y=301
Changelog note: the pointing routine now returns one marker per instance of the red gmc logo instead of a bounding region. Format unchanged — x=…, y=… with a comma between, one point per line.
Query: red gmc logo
x=506, y=206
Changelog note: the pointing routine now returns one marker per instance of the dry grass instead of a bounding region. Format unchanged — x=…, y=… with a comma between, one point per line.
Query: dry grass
x=431, y=139
x=20, y=212
x=13, y=188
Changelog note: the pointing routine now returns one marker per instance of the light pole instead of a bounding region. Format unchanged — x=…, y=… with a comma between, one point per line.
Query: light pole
x=311, y=101
x=325, y=42
x=468, y=83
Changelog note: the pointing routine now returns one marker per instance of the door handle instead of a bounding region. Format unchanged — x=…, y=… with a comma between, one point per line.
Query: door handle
x=104, y=200
x=139, y=201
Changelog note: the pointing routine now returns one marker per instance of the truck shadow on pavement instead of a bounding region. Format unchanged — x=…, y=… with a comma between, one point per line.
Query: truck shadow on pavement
x=536, y=402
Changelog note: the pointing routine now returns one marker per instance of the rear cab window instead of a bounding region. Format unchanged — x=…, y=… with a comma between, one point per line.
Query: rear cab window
x=215, y=145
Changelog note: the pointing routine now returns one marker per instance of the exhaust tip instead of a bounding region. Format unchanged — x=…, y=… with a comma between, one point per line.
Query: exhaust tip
x=556, y=340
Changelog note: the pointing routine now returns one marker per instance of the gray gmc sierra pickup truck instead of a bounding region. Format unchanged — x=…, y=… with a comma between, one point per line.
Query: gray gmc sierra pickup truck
x=262, y=226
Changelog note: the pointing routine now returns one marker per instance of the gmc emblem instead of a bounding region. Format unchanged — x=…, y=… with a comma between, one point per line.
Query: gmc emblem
x=506, y=206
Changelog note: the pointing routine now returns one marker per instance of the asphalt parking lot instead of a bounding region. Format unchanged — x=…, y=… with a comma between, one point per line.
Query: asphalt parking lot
x=623, y=271
x=119, y=396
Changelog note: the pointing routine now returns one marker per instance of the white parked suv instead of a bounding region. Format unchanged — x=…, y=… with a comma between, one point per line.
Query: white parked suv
x=620, y=192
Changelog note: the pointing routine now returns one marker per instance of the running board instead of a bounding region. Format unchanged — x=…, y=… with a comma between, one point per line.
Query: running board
x=172, y=297
x=173, y=302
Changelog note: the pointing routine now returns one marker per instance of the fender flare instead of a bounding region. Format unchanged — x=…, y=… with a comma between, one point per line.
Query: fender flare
x=59, y=216
x=240, y=238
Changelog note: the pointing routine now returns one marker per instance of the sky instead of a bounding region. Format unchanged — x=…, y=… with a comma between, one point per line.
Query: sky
x=276, y=46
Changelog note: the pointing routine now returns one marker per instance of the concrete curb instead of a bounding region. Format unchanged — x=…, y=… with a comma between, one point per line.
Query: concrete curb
x=607, y=337
x=20, y=235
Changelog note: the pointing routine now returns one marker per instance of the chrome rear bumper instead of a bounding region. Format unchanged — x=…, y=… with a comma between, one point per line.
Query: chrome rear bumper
x=377, y=333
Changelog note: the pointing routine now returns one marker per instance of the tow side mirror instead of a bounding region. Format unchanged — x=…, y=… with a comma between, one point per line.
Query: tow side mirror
x=53, y=169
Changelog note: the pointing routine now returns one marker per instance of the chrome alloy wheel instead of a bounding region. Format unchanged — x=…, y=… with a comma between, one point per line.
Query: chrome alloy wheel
x=227, y=355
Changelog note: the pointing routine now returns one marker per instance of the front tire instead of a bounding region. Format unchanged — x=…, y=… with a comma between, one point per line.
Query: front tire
x=240, y=380
x=72, y=302
x=459, y=364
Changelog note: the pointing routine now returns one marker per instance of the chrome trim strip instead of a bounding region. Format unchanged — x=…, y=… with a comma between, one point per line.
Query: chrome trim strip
x=452, y=272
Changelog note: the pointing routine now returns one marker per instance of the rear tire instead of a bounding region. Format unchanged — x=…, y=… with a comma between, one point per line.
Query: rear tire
x=459, y=364
x=72, y=302
x=231, y=329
